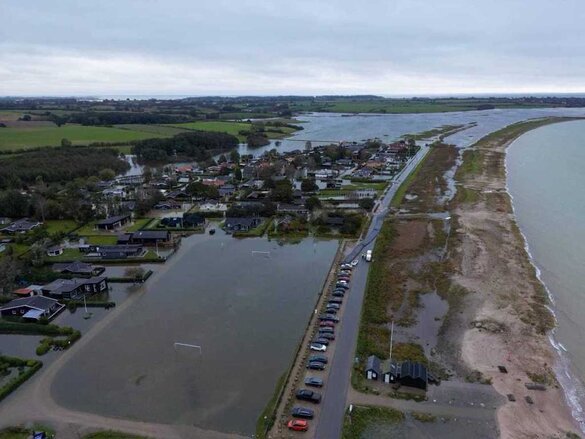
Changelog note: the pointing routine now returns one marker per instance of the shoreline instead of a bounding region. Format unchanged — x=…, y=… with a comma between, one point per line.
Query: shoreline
x=570, y=384
x=495, y=265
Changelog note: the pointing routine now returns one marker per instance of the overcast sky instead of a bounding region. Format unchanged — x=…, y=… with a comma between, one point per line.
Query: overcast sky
x=203, y=47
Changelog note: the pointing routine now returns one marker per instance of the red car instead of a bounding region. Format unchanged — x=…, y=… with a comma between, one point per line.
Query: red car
x=298, y=425
x=330, y=324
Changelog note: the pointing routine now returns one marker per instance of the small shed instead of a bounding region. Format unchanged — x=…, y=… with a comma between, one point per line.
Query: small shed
x=390, y=372
x=373, y=368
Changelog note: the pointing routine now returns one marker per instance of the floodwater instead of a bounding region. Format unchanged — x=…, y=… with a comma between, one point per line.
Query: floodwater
x=546, y=179
x=244, y=302
x=324, y=128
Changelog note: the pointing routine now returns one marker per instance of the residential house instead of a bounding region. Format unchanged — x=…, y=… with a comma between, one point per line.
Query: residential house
x=76, y=288
x=21, y=226
x=241, y=224
x=78, y=268
x=32, y=308
x=227, y=190
x=112, y=251
x=145, y=237
x=360, y=194
x=191, y=220
x=113, y=222
x=283, y=208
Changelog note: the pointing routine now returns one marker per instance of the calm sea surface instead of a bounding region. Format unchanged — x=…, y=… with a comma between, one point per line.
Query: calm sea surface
x=546, y=177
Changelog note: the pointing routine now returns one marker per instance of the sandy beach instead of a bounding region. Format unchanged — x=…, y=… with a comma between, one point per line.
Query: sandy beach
x=504, y=320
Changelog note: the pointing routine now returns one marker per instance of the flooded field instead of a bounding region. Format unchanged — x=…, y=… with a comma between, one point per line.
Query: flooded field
x=244, y=302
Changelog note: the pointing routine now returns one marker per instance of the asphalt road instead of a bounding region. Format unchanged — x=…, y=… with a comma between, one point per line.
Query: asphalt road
x=335, y=395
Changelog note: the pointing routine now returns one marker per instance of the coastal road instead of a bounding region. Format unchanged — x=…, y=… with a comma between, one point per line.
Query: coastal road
x=333, y=404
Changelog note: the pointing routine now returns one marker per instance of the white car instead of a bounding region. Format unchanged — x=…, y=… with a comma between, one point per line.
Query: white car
x=318, y=347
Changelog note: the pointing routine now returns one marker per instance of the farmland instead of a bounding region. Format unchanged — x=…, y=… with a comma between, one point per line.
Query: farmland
x=234, y=128
x=23, y=138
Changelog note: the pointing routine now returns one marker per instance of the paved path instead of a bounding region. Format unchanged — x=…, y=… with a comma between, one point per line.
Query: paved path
x=330, y=421
x=445, y=410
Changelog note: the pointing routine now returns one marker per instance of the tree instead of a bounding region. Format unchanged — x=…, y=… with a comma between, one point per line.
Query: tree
x=9, y=271
x=198, y=189
x=366, y=203
x=309, y=185
x=135, y=273
x=222, y=159
x=235, y=156
x=107, y=174
x=283, y=191
x=65, y=142
x=312, y=203
x=238, y=174
x=13, y=204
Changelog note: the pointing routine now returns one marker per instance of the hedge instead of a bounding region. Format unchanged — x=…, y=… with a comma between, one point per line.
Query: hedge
x=13, y=384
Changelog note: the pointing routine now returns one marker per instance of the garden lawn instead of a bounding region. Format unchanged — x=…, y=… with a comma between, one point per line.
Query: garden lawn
x=63, y=226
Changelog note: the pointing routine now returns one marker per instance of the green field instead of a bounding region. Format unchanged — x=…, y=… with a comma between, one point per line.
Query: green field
x=158, y=130
x=397, y=106
x=22, y=138
x=233, y=128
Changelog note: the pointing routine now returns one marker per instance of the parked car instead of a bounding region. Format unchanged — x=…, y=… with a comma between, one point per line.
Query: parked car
x=326, y=329
x=320, y=358
x=346, y=267
x=321, y=340
x=327, y=317
x=315, y=365
x=318, y=347
x=308, y=395
x=342, y=286
x=343, y=281
x=327, y=335
x=338, y=294
x=336, y=301
x=298, y=425
x=329, y=324
x=333, y=305
x=344, y=273
x=302, y=412
x=313, y=382
x=330, y=311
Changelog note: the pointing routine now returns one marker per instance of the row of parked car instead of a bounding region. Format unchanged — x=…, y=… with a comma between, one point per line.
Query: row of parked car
x=325, y=335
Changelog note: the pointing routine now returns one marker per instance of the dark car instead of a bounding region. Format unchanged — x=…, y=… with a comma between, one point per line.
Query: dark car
x=336, y=301
x=330, y=311
x=302, y=412
x=321, y=340
x=318, y=358
x=327, y=317
x=333, y=305
x=342, y=286
x=313, y=382
x=327, y=335
x=315, y=365
x=337, y=294
x=326, y=329
x=309, y=395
